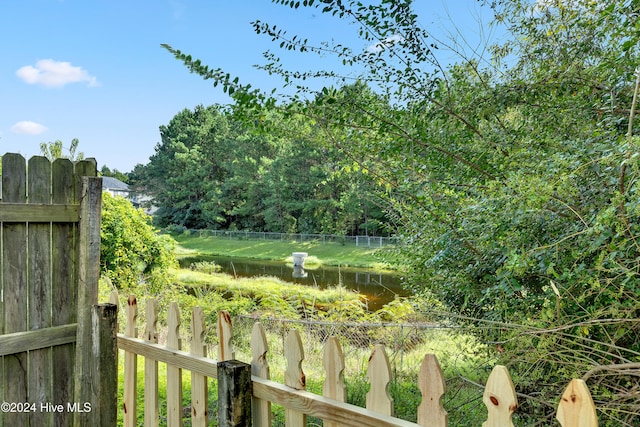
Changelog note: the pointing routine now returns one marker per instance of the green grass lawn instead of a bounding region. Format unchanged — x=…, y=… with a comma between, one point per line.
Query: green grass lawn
x=335, y=254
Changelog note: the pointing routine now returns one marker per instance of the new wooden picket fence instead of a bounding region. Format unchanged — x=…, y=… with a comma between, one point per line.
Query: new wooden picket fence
x=575, y=408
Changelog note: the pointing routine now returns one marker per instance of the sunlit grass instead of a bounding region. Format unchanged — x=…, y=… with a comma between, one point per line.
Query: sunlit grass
x=334, y=254
x=264, y=286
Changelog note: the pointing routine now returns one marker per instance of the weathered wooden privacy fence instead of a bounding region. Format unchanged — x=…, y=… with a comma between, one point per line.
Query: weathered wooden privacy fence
x=251, y=399
x=51, y=360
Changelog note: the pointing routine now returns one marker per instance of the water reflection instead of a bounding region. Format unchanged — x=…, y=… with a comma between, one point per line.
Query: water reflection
x=379, y=288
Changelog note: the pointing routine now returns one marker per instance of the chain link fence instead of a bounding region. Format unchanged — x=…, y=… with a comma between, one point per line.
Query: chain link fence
x=459, y=353
x=406, y=343
x=360, y=241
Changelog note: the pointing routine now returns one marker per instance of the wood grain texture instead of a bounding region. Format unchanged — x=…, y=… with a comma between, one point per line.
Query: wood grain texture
x=500, y=398
x=174, y=373
x=432, y=386
x=261, y=409
x=199, y=389
x=151, y=405
x=576, y=408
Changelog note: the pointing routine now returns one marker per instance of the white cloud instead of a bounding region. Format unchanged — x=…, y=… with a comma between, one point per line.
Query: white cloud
x=384, y=44
x=28, y=128
x=50, y=73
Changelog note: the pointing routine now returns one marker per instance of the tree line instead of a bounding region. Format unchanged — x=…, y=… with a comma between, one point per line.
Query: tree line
x=212, y=171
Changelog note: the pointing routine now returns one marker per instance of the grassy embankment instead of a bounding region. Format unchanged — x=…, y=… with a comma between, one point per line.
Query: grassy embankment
x=334, y=254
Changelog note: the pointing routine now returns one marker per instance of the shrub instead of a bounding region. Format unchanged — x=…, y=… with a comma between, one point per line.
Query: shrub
x=131, y=251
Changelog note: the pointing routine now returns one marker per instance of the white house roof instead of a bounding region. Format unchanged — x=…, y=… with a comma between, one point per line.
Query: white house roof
x=113, y=184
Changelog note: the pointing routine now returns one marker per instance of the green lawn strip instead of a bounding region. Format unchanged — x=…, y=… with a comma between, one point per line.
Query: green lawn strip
x=334, y=254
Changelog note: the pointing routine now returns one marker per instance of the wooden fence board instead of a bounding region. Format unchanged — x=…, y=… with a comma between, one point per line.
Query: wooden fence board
x=63, y=286
x=333, y=363
x=199, y=390
x=432, y=386
x=261, y=409
x=294, y=377
x=576, y=408
x=131, y=365
x=379, y=372
x=500, y=398
x=39, y=289
x=225, y=333
x=19, y=342
x=14, y=275
x=174, y=374
x=151, y=407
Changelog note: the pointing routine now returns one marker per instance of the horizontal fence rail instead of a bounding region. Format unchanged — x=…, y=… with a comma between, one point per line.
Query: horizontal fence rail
x=575, y=407
x=359, y=241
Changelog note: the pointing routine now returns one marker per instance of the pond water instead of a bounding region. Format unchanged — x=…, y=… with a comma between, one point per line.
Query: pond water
x=379, y=288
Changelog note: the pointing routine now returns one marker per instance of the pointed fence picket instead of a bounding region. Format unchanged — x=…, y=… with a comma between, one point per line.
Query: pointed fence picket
x=576, y=407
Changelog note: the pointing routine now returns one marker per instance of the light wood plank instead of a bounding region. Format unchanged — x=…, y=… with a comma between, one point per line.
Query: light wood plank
x=131, y=365
x=294, y=377
x=327, y=409
x=431, y=383
x=379, y=373
x=576, y=408
x=225, y=334
x=261, y=409
x=333, y=363
x=177, y=358
x=174, y=373
x=499, y=398
x=199, y=390
x=151, y=404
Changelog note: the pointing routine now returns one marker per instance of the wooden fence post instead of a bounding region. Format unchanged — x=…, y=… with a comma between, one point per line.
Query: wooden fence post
x=102, y=410
x=88, y=275
x=234, y=394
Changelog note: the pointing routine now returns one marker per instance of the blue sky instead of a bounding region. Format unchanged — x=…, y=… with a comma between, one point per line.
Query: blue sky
x=94, y=70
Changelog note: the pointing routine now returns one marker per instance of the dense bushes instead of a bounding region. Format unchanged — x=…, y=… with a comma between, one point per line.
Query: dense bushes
x=131, y=252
